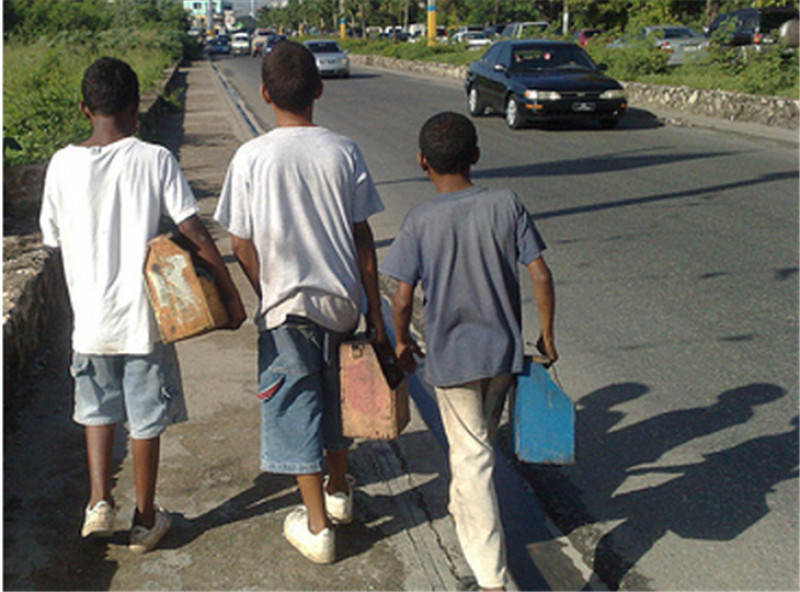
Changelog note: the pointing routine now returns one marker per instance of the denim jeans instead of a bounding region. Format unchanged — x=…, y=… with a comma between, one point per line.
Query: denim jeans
x=298, y=386
x=144, y=390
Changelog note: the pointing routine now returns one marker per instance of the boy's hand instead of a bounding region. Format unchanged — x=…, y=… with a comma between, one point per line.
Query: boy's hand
x=547, y=348
x=405, y=353
x=236, y=313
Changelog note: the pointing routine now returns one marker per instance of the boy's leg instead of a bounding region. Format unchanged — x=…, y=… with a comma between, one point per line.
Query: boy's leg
x=337, y=471
x=338, y=484
x=290, y=390
x=99, y=407
x=473, y=500
x=145, y=474
x=154, y=401
x=99, y=446
x=311, y=491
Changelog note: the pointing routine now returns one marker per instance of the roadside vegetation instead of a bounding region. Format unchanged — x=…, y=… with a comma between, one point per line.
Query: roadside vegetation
x=47, y=46
x=773, y=72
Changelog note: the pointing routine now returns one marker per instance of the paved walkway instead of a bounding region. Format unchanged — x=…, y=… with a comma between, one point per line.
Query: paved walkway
x=228, y=515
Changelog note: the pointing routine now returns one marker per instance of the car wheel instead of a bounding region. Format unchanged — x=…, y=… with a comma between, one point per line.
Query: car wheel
x=476, y=108
x=609, y=123
x=513, y=116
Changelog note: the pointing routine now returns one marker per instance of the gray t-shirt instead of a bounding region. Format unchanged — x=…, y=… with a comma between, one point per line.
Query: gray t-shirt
x=464, y=247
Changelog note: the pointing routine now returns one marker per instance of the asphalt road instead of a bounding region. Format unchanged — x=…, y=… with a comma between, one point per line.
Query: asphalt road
x=675, y=253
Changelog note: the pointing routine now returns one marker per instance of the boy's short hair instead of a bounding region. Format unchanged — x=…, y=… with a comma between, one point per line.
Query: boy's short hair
x=449, y=142
x=290, y=75
x=109, y=86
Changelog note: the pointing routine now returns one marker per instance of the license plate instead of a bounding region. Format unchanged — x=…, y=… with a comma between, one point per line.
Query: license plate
x=583, y=107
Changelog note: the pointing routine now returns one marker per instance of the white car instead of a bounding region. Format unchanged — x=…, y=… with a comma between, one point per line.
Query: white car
x=240, y=43
x=331, y=60
x=473, y=39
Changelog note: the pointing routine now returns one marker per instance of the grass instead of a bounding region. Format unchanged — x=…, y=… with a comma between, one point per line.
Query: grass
x=41, y=85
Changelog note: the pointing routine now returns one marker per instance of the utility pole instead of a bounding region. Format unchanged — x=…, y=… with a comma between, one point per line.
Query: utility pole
x=565, y=20
x=431, y=23
x=342, y=26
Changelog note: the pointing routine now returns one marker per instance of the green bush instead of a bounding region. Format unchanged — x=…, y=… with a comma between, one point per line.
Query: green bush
x=639, y=58
x=41, y=84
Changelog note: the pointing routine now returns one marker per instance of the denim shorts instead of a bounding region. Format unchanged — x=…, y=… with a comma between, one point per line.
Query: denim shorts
x=298, y=386
x=144, y=390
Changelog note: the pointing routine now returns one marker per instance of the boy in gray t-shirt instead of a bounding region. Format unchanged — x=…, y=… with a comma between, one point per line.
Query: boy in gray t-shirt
x=464, y=246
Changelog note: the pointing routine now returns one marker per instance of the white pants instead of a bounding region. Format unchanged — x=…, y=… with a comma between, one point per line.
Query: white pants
x=470, y=414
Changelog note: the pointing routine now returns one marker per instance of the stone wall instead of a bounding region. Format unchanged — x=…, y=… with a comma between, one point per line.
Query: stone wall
x=34, y=293
x=732, y=106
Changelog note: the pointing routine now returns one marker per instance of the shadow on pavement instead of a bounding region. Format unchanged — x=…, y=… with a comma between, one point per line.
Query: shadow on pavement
x=715, y=499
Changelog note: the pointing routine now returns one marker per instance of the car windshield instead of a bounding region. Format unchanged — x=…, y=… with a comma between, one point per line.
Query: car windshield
x=324, y=47
x=551, y=58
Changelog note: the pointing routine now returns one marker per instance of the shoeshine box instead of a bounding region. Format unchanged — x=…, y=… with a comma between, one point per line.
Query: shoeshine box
x=374, y=397
x=185, y=298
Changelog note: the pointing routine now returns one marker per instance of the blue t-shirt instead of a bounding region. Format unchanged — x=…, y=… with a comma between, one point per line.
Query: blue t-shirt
x=464, y=247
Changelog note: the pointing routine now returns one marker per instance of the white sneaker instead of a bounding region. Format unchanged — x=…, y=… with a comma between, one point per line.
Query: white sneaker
x=145, y=539
x=318, y=547
x=339, y=505
x=99, y=520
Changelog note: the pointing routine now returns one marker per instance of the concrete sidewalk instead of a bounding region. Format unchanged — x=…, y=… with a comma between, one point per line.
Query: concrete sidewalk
x=228, y=515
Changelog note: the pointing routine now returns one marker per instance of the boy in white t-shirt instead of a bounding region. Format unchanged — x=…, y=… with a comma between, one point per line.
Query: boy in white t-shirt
x=102, y=202
x=296, y=202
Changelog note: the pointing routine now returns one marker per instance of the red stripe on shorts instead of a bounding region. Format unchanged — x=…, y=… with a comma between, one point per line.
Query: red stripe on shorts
x=271, y=390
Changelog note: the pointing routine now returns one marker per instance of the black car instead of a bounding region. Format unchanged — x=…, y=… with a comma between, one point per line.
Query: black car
x=751, y=26
x=543, y=80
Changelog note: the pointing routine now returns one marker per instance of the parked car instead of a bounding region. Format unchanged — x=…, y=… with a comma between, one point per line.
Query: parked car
x=240, y=43
x=219, y=45
x=467, y=28
x=753, y=26
x=582, y=36
x=331, y=60
x=526, y=30
x=473, y=39
x=679, y=41
x=493, y=31
x=543, y=80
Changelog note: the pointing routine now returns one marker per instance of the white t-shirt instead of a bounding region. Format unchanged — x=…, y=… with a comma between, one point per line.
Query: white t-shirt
x=296, y=192
x=101, y=205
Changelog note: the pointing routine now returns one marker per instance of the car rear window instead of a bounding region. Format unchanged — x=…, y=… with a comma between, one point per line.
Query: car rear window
x=324, y=47
x=773, y=20
x=545, y=58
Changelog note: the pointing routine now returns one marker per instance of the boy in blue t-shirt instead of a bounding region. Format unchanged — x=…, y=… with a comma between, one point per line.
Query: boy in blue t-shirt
x=464, y=246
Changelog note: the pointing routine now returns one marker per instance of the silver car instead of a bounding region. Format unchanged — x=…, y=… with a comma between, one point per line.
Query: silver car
x=331, y=60
x=678, y=41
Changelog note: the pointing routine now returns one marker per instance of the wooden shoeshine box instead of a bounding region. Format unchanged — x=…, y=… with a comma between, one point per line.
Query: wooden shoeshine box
x=372, y=408
x=184, y=297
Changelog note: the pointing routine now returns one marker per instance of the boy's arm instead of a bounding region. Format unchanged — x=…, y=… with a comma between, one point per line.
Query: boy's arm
x=368, y=266
x=194, y=230
x=406, y=348
x=545, y=297
x=245, y=252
